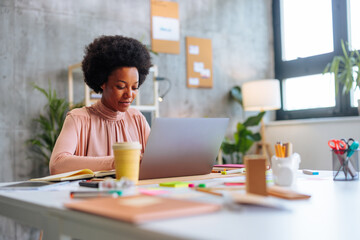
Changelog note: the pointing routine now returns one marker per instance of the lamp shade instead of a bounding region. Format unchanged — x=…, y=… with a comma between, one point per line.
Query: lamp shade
x=261, y=95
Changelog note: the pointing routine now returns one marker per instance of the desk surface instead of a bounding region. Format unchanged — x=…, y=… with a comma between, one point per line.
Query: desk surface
x=333, y=212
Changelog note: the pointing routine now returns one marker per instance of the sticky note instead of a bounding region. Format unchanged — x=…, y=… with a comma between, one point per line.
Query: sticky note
x=174, y=184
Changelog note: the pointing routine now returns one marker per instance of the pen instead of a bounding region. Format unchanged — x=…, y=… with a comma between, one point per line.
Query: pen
x=209, y=184
x=241, y=170
x=87, y=194
x=217, y=171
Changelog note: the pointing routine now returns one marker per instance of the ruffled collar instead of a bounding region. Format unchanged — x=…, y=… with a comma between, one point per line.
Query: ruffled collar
x=106, y=112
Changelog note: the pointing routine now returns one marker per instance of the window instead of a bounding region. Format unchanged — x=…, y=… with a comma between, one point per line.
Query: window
x=310, y=36
x=353, y=9
x=298, y=95
x=307, y=35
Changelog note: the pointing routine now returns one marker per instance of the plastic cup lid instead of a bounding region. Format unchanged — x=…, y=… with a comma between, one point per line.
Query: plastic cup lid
x=126, y=145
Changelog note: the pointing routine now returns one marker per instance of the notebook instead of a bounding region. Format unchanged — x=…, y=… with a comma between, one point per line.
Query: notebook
x=182, y=147
x=142, y=208
x=75, y=175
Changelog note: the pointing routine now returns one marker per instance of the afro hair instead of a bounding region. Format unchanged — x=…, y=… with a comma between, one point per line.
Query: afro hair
x=107, y=53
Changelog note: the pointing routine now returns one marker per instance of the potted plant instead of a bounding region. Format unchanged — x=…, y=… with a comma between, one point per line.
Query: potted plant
x=244, y=138
x=48, y=129
x=343, y=68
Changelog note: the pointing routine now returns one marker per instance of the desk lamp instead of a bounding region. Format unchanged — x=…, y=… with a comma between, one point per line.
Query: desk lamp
x=262, y=95
x=161, y=97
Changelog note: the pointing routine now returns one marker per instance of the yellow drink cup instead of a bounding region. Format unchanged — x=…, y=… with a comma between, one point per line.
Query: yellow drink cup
x=127, y=160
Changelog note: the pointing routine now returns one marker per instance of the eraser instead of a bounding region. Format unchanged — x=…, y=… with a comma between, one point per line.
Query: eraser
x=310, y=172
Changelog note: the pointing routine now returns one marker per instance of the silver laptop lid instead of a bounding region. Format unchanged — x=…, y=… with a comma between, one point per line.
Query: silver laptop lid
x=182, y=147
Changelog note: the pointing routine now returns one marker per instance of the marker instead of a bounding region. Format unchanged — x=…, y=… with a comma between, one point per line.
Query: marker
x=241, y=170
x=209, y=184
x=88, y=194
x=310, y=172
x=175, y=184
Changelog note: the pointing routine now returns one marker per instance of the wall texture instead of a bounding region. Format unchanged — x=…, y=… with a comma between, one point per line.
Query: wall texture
x=39, y=39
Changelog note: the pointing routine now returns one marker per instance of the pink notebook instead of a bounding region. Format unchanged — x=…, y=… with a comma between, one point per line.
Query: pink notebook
x=230, y=165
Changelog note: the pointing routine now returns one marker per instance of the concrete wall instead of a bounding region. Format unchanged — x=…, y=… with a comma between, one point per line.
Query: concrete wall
x=39, y=39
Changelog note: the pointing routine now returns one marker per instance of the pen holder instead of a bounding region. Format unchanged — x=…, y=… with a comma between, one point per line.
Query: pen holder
x=345, y=166
x=285, y=169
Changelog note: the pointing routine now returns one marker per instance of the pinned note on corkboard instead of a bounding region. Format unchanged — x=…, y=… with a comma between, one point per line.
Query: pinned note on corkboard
x=199, y=63
x=165, y=27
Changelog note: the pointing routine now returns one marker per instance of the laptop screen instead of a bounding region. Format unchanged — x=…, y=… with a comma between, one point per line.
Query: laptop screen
x=182, y=147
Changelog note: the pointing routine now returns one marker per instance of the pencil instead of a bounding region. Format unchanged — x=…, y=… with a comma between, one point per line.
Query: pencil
x=208, y=191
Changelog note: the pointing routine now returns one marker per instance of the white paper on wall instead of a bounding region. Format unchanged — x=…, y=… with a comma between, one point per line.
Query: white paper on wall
x=194, y=81
x=194, y=50
x=205, y=73
x=164, y=28
x=198, y=66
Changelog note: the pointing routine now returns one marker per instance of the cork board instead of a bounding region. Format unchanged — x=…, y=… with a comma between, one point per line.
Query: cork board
x=165, y=27
x=199, y=63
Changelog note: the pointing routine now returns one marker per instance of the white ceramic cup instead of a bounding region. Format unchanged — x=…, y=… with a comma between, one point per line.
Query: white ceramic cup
x=285, y=169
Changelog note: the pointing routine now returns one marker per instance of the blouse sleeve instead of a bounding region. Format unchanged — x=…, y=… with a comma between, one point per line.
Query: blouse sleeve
x=144, y=130
x=63, y=158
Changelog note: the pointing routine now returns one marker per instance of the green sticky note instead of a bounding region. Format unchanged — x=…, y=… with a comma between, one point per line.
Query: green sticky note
x=174, y=184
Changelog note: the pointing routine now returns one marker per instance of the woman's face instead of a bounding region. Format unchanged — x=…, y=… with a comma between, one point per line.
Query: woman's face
x=120, y=89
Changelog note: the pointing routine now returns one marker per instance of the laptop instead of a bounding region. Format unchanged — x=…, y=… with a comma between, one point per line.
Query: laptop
x=182, y=147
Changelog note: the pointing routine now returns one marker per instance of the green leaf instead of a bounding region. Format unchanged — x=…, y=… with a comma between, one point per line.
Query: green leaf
x=240, y=127
x=236, y=94
x=245, y=145
x=40, y=89
x=342, y=68
x=254, y=121
x=228, y=148
x=327, y=68
x=256, y=137
x=344, y=49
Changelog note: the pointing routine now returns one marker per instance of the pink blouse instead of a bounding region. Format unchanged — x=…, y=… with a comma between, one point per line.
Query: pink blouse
x=88, y=134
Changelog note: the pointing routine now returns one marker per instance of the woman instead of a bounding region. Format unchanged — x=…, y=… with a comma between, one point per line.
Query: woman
x=115, y=66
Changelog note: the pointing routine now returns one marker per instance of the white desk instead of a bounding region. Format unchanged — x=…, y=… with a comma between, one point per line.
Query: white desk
x=333, y=212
